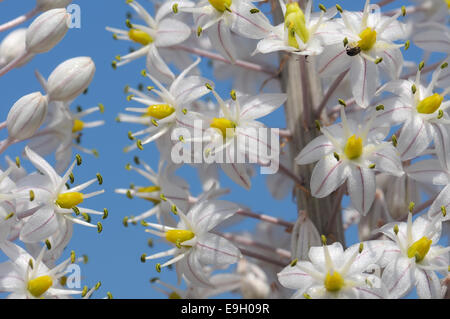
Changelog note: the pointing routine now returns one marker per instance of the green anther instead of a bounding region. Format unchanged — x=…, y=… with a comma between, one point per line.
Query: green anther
x=324, y=239
x=79, y=159
x=174, y=210
x=154, y=122
x=394, y=140
x=443, y=211
x=336, y=156
x=130, y=136
x=31, y=196
x=199, y=31
x=233, y=95
x=150, y=242
x=254, y=10
x=72, y=257
x=372, y=166
x=175, y=8
x=99, y=178
x=76, y=210
x=444, y=65
x=322, y=7
x=9, y=216
x=114, y=65
x=84, y=291
x=128, y=194
x=407, y=44
x=184, y=111
x=396, y=229
x=109, y=295
x=306, y=296
x=97, y=285
x=150, y=88
x=144, y=223
x=294, y=262
x=379, y=60
x=208, y=86
x=317, y=124
x=158, y=267
x=85, y=259
x=339, y=8
x=139, y=145
x=144, y=72
x=128, y=24
x=125, y=221
x=95, y=153
x=345, y=42
x=411, y=206
x=128, y=166
x=130, y=97
x=30, y=263
x=101, y=108
x=153, y=280
x=421, y=65
x=380, y=107
x=99, y=227
x=342, y=102
x=361, y=247
x=163, y=197
x=403, y=11
x=18, y=162
x=86, y=217
x=136, y=160
x=48, y=244
x=440, y=114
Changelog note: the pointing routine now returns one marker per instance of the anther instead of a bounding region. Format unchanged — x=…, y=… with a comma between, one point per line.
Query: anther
x=407, y=44
x=175, y=8
x=158, y=267
x=322, y=7
x=99, y=227
x=18, y=162
x=254, y=10
x=79, y=159
x=139, y=145
x=361, y=247
x=48, y=244
x=72, y=257
x=380, y=107
x=105, y=213
x=99, y=178
x=31, y=196
x=443, y=211
x=294, y=262
x=342, y=102
x=411, y=206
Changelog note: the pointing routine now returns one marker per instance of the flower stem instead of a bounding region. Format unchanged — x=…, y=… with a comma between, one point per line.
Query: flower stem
x=19, y=20
x=265, y=218
x=14, y=63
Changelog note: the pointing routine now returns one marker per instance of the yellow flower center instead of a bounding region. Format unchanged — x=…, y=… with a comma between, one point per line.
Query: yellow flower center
x=69, y=200
x=77, y=126
x=38, y=286
x=354, y=147
x=222, y=124
x=294, y=21
x=368, y=38
x=177, y=236
x=430, y=104
x=334, y=282
x=174, y=295
x=159, y=111
x=220, y=5
x=448, y=3
x=140, y=36
x=150, y=189
x=419, y=249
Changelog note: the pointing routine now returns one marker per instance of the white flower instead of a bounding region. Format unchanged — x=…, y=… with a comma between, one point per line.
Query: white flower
x=413, y=257
x=45, y=5
x=12, y=46
x=26, y=116
x=333, y=273
x=219, y=18
x=63, y=132
x=163, y=113
x=161, y=31
x=301, y=33
x=429, y=171
x=236, y=132
x=369, y=37
x=70, y=78
x=423, y=113
x=50, y=202
x=195, y=244
x=349, y=151
x=28, y=278
x=164, y=181
x=47, y=30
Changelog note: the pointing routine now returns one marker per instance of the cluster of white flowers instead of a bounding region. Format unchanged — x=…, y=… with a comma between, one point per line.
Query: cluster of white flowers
x=384, y=141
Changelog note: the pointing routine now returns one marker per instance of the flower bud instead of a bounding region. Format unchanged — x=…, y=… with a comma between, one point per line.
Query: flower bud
x=45, y=5
x=12, y=46
x=47, y=30
x=70, y=79
x=26, y=116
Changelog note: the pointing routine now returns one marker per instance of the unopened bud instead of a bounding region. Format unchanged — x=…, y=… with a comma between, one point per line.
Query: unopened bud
x=47, y=30
x=70, y=78
x=26, y=116
x=12, y=46
x=45, y=5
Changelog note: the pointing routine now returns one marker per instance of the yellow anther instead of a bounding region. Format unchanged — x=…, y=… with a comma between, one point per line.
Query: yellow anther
x=178, y=236
x=140, y=36
x=159, y=111
x=222, y=124
x=420, y=248
x=334, y=282
x=150, y=189
x=69, y=200
x=354, y=147
x=174, y=295
x=220, y=5
x=430, y=104
x=38, y=286
x=295, y=22
x=368, y=38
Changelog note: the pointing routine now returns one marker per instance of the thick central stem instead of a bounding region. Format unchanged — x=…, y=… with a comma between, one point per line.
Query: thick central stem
x=303, y=87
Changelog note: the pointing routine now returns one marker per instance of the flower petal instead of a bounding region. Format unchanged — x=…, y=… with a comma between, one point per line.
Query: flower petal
x=208, y=214
x=333, y=61
x=171, y=32
x=428, y=284
x=364, y=78
x=361, y=186
x=220, y=37
x=157, y=67
x=261, y=105
x=215, y=250
x=428, y=171
x=398, y=276
x=40, y=225
x=414, y=138
x=327, y=176
x=315, y=150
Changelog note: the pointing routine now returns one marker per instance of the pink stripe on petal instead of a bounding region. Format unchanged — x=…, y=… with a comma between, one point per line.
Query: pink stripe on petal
x=326, y=177
x=331, y=61
x=413, y=141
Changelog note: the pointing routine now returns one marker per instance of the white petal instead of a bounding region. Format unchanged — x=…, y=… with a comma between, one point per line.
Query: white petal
x=236, y=171
x=333, y=61
x=398, y=276
x=220, y=36
x=190, y=89
x=315, y=150
x=327, y=176
x=428, y=284
x=260, y=105
x=433, y=38
x=250, y=25
x=157, y=67
x=171, y=32
x=208, y=214
x=191, y=268
x=442, y=144
x=392, y=62
x=361, y=186
x=295, y=278
x=42, y=165
x=317, y=256
x=428, y=171
x=364, y=78
x=414, y=138
x=215, y=250
x=40, y=225
x=443, y=199
x=388, y=160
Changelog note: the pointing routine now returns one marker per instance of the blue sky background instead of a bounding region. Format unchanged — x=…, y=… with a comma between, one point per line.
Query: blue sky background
x=114, y=254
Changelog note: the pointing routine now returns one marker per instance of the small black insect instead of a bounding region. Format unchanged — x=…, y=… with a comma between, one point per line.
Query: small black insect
x=353, y=51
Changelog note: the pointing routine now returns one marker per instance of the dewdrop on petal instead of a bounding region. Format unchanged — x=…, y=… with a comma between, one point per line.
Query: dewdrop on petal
x=47, y=30
x=70, y=79
x=45, y=5
x=26, y=116
x=12, y=46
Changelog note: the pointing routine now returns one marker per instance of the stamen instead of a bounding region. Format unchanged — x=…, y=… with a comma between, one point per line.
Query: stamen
x=140, y=37
x=159, y=111
x=69, y=200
